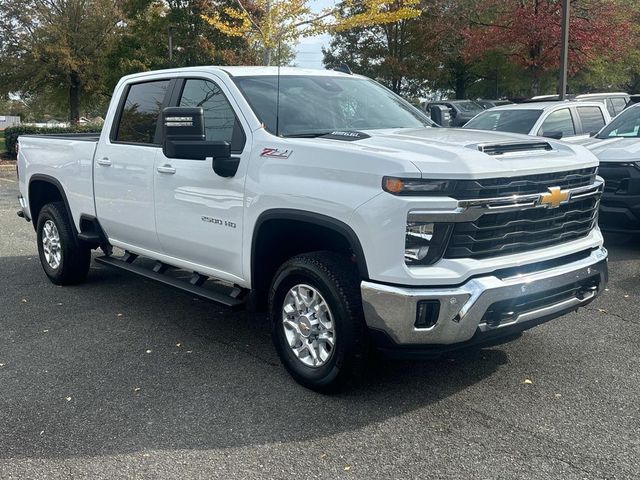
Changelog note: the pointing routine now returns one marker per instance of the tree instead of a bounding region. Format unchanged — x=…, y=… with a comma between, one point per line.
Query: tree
x=266, y=24
x=55, y=47
x=143, y=41
x=528, y=33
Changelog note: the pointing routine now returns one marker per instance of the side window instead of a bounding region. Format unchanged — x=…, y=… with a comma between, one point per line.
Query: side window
x=559, y=121
x=591, y=118
x=220, y=121
x=618, y=105
x=141, y=111
x=610, y=107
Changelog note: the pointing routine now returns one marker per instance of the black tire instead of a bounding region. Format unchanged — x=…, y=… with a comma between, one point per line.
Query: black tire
x=338, y=282
x=75, y=258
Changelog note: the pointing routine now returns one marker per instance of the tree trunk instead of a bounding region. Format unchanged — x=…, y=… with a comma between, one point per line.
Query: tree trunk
x=535, y=86
x=461, y=85
x=74, y=98
x=266, y=56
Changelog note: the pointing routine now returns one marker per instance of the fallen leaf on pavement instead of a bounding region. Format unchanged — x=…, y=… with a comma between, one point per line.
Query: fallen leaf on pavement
x=68, y=399
x=347, y=468
x=137, y=389
x=527, y=381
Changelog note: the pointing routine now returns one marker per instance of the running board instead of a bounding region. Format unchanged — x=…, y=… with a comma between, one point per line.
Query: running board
x=235, y=299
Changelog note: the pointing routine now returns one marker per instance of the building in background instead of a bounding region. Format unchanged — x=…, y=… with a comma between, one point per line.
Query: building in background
x=8, y=121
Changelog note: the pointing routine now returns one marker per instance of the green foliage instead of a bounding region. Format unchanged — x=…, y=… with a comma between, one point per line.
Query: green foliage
x=11, y=134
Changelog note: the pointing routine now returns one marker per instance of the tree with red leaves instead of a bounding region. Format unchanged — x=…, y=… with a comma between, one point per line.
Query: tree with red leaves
x=528, y=32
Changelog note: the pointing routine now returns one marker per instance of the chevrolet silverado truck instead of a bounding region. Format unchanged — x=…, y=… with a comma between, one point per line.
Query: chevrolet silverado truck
x=329, y=202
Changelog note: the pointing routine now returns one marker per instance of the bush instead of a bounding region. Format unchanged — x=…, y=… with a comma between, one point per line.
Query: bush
x=11, y=134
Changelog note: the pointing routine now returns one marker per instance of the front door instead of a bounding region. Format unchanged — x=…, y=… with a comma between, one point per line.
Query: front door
x=125, y=165
x=199, y=215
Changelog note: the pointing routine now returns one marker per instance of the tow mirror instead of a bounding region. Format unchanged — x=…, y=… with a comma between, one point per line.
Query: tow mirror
x=184, y=137
x=553, y=134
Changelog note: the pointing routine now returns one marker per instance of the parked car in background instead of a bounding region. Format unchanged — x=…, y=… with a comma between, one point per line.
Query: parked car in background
x=617, y=146
x=487, y=104
x=614, y=101
x=569, y=120
x=461, y=111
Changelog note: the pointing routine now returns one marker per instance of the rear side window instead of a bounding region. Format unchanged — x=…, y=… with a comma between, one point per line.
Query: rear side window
x=220, y=121
x=591, y=118
x=141, y=111
x=558, y=121
x=618, y=104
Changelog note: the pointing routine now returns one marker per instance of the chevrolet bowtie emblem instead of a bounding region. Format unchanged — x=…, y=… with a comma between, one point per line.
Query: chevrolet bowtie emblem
x=554, y=198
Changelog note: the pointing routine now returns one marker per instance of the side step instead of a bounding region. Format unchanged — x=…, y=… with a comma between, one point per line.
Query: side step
x=235, y=299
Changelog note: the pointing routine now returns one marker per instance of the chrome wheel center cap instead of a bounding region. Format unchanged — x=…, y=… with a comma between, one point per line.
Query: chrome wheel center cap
x=305, y=326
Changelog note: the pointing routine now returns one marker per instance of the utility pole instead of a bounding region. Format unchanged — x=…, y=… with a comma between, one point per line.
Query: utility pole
x=564, y=50
x=170, y=33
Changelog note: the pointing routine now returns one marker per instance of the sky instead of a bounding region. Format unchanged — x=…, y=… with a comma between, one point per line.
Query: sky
x=309, y=50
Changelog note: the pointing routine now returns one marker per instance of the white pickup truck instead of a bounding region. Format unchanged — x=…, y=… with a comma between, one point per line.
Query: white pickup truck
x=327, y=200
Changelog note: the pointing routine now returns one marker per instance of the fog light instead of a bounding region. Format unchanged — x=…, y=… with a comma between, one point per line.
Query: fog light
x=427, y=313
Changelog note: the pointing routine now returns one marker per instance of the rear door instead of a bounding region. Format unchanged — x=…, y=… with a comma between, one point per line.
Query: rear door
x=124, y=166
x=592, y=119
x=199, y=215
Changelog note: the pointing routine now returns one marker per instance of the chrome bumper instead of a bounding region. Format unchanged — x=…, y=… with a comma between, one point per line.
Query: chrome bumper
x=393, y=310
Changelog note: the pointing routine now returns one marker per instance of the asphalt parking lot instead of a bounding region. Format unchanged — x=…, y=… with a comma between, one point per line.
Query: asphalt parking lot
x=125, y=378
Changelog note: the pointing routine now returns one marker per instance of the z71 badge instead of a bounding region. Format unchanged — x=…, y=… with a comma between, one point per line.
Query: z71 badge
x=275, y=153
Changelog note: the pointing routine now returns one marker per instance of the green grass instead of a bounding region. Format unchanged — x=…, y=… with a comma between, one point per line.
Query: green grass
x=3, y=147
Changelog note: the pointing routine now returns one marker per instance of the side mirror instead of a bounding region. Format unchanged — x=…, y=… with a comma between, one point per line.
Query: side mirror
x=184, y=137
x=552, y=134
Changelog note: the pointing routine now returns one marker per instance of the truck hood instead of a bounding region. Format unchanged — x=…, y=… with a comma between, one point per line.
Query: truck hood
x=616, y=149
x=454, y=153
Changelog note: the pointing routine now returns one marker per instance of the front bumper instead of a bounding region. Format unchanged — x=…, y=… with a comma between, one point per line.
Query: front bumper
x=487, y=307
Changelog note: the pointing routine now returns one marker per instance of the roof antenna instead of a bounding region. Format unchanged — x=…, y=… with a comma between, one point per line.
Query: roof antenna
x=278, y=95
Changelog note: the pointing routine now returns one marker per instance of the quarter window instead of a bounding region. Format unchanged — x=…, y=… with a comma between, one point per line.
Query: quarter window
x=220, y=121
x=591, y=118
x=618, y=104
x=558, y=121
x=141, y=111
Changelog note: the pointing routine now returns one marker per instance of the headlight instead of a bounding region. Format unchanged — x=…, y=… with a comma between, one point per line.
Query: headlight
x=425, y=242
x=417, y=186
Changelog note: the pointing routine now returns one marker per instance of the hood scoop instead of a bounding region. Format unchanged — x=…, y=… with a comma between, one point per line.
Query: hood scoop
x=496, y=149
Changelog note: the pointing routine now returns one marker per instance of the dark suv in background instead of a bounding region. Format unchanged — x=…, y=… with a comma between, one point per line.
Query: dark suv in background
x=461, y=111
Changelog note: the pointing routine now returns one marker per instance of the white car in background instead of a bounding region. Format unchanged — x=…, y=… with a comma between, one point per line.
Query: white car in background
x=570, y=121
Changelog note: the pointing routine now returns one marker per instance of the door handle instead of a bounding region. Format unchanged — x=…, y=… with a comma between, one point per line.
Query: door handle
x=104, y=161
x=166, y=169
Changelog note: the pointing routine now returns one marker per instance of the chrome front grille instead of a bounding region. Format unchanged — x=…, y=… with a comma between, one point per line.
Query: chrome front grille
x=524, y=185
x=489, y=227
x=516, y=231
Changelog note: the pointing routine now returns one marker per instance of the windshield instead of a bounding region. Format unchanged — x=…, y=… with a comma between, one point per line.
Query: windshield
x=315, y=105
x=468, y=107
x=627, y=124
x=513, y=121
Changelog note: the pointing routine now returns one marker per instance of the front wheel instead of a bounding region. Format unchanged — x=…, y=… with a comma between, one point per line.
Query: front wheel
x=317, y=323
x=64, y=259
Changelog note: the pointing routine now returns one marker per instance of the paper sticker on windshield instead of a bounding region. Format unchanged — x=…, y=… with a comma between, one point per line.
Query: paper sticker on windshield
x=276, y=153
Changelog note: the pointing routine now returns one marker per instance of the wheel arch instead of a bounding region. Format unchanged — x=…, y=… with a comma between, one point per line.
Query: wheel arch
x=270, y=246
x=44, y=189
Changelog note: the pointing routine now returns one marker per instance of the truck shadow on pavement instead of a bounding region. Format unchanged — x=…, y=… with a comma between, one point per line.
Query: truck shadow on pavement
x=121, y=364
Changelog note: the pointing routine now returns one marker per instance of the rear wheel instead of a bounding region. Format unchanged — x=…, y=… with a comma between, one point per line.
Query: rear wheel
x=64, y=259
x=317, y=322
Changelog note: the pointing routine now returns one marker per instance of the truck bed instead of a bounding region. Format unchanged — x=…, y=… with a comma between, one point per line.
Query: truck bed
x=67, y=158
